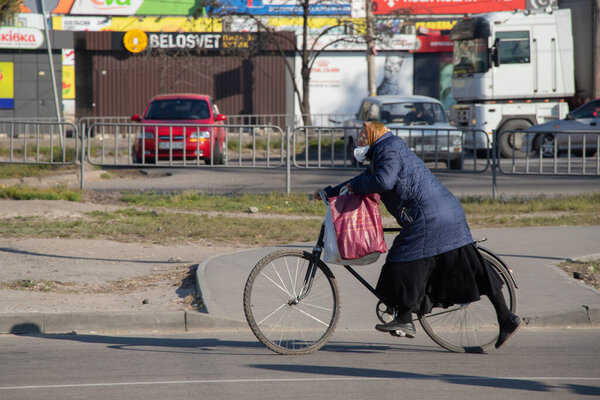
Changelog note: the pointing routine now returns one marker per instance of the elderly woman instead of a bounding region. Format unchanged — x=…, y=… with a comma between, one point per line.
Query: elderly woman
x=434, y=260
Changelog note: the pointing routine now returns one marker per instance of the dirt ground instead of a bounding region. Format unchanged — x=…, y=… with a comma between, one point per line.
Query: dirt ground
x=63, y=275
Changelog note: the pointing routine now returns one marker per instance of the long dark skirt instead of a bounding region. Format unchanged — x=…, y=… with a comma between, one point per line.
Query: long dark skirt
x=458, y=276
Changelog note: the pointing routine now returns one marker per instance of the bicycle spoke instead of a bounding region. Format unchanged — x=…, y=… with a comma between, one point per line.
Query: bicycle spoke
x=280, y=319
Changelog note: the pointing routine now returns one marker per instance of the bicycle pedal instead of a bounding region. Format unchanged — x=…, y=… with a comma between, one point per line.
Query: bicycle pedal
x=397, y=333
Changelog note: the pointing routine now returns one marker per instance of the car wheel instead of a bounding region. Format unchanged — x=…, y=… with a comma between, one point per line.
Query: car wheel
x=588, y=152
x=511, y=142
x=134, y=158
x=547, y=145
x=456, y=164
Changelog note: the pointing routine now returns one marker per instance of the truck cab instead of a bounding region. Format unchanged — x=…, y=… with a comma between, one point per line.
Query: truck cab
x=511, y=70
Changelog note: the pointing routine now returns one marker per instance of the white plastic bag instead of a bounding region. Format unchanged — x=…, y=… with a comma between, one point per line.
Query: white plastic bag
x=331, y=253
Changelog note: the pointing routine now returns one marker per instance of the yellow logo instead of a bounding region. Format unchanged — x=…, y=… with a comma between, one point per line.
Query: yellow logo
x=135, y=40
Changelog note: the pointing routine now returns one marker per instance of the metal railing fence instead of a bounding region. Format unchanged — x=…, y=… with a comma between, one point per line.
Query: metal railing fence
x=184, y=145
x=128, y=144
x=38, y=142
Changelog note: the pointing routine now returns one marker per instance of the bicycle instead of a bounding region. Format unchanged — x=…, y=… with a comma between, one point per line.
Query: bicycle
x=292, y=305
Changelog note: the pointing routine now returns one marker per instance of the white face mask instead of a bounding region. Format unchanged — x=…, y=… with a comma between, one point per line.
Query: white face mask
x=360, y=153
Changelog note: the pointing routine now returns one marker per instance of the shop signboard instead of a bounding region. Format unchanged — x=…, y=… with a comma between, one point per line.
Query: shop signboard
x=7, y=85
x=401, y=42
x=190, y=7
x=136, y=41
x=419, y=7
x=287, y=7
x=20, y=38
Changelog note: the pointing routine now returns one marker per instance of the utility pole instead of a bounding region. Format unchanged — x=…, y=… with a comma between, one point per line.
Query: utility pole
x=370, y=39
x=596, y=48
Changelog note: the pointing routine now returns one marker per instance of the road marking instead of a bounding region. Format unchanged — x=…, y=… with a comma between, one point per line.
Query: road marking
x=266, y=380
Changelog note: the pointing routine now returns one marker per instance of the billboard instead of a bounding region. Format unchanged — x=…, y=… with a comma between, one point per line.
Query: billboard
x=412, y=7
x=338, y=80
x=7, y=85
x=190, y=7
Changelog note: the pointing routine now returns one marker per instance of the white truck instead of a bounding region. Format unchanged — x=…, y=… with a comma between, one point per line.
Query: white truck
x=512, y=70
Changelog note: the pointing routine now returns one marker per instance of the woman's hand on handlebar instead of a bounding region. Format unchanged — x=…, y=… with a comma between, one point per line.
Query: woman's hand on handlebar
x=317, y=194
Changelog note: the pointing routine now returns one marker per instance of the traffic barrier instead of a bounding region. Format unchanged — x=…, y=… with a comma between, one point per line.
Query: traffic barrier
x=38, y=142
x=552, y=153
x=130, y=144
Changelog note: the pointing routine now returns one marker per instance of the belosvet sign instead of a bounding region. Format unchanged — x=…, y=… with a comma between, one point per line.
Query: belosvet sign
x=137, y=41
x=20, y=38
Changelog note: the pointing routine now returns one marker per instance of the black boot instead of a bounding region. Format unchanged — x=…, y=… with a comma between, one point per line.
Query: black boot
x=508, y=328
x=401, y=326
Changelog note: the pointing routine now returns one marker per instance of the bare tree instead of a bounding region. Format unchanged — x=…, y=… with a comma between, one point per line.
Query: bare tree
x=310, y=45
x=8, y=8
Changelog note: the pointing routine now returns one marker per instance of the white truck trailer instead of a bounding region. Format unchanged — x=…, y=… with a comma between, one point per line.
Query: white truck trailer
x=512, y=70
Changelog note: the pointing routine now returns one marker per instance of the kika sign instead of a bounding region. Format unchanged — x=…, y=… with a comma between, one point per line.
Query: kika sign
x=20, y=38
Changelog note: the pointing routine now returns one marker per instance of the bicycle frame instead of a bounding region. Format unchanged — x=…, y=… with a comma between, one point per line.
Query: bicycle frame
x=316, y=257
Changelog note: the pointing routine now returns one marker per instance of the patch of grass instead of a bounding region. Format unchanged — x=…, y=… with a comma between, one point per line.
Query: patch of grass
x=8, y=171
x=586, y=271
x=132, y=225
x=19, y=192
x=272, y=203
x=43, y=153
x=37, y=286
x=584, y=203
x=542, y=211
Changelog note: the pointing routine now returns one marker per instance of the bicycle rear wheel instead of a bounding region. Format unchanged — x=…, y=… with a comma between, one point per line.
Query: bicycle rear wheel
x=471, y=327
x=278, y=319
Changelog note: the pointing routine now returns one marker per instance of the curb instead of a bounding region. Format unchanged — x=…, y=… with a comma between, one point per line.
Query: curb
x=96, y=322
x=586, y=316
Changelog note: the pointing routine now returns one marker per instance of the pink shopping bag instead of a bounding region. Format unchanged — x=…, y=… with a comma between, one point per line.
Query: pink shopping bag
x=358, y=226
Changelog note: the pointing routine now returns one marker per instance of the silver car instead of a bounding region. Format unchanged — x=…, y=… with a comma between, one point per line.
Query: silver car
x=419, y=120
x=579, y=133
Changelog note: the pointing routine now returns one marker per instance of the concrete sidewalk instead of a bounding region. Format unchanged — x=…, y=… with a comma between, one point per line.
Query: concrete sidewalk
x=547, y=297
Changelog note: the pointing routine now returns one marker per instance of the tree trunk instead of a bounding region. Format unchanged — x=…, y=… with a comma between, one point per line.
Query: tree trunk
x=305, y=104
x=596, y=49
x=370, y=39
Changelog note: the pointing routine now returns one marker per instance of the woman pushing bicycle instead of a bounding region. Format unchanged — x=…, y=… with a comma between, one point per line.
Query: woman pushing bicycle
x=434, y=261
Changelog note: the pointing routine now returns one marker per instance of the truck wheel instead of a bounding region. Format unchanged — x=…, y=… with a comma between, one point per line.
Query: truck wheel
x=546, y=145
x=512, y=141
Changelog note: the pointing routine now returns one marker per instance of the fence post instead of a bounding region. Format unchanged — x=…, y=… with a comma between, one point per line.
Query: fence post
x=288, y=188
x=494, y=160
x=82, y=136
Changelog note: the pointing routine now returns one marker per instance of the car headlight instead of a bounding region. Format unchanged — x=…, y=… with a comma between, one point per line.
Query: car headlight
x=199, y=135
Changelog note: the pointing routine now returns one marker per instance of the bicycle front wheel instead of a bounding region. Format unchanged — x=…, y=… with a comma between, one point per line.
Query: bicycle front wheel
x=278, y=318
x=471, y=327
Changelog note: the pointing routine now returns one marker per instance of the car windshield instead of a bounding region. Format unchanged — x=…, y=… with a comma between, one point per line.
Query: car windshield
x=178, y=109
x=409, y=113
x=470, y=57
x=589, y=110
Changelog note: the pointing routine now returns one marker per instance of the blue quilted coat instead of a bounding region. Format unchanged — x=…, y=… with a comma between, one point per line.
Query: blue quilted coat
x=433, y=221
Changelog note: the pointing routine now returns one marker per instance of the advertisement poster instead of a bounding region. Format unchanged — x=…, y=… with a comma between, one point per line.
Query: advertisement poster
x=190, y=7
x=412, y=7
x=287, y=7
x=339, y=80
x=68, y=74
x=7, y=85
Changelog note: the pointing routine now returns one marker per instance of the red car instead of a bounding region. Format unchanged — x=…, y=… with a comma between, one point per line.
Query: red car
x=178, y=142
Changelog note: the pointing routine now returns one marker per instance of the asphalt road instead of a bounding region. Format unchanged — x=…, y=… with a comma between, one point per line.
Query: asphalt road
x=537, y=364
x=221, y=180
